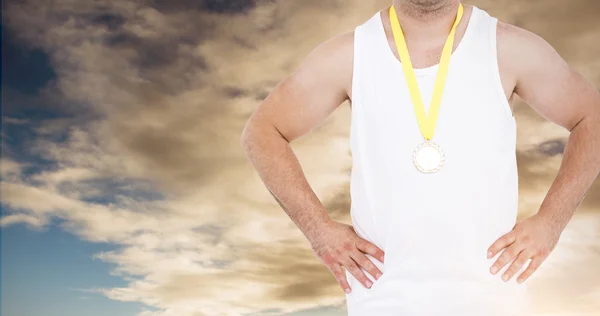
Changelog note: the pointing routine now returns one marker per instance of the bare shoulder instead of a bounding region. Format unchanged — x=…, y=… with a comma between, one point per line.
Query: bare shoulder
x=329, y=64
x=517, y=39
x=542, y=78
x=305, y=98
x=524, y=53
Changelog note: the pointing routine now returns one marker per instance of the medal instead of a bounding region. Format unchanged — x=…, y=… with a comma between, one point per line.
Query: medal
x=428, y=157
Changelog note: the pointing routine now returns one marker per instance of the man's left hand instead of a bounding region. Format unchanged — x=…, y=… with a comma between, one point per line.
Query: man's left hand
x=533, y=238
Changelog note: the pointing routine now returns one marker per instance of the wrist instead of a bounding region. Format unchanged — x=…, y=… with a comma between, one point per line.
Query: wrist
x=551, y=220
x=319, y=227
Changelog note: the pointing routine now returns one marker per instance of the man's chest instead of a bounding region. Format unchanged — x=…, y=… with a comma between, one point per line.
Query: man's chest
x=428, y=52
x=426, y=55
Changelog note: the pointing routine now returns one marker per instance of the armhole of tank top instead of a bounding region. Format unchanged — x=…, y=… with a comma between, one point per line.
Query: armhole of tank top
x=496, y=68
x=355, y=68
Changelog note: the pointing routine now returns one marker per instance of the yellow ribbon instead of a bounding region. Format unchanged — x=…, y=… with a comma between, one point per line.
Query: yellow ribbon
x=426, y=123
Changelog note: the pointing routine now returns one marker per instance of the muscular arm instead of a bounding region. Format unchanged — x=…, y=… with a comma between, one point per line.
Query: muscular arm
x=297, y=105
x=563, y=96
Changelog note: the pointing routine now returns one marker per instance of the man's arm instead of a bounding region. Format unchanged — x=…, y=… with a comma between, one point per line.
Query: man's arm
x=297, y=105
x=561, y=95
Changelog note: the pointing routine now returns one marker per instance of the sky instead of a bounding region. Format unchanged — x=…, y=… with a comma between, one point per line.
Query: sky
x=124, y=187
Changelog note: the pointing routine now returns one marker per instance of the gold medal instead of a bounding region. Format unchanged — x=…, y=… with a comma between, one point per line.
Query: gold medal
x=428, y=157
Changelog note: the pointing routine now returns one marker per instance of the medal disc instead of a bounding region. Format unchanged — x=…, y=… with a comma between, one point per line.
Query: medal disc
x=428, y=157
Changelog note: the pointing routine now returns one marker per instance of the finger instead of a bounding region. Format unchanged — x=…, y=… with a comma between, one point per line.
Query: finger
x=522, y=258
x=533, y=266
x=340, y=276
x=366, y=264
x=370, y=248
x=501, y=243
x=507, y=255
x=353, y=268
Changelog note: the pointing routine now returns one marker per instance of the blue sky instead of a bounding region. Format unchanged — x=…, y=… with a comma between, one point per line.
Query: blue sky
x=46, y=272
x=49, y=272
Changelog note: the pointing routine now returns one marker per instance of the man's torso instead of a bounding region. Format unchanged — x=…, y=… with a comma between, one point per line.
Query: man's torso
x=434, y=228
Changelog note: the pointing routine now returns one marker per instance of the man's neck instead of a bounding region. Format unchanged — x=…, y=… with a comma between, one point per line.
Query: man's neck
x=422, y=19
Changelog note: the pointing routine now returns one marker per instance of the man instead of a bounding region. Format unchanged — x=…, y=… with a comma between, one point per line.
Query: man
x=443, y=206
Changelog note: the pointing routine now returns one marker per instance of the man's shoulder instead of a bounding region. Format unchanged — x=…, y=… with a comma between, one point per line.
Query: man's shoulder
x=513, y=34
x=337, y=45
x=520, y=49
x=331, y=61
x=333, y=54
x=521, y=43
x=338, y=50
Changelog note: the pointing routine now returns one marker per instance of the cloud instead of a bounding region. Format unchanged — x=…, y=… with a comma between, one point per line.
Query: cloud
x=149, y=158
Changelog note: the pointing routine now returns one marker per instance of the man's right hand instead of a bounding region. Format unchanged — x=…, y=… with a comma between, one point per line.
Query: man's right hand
x=339, y=246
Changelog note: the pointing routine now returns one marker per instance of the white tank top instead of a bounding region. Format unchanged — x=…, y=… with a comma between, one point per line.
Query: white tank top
x=435, y=229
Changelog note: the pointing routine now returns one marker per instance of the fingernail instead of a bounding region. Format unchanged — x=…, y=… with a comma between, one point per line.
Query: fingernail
x=493, y=270
x=505, y=277
x=519, y=281
x=378, y=276
x=347, y=291
x=369, y=283
x=489, y=254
